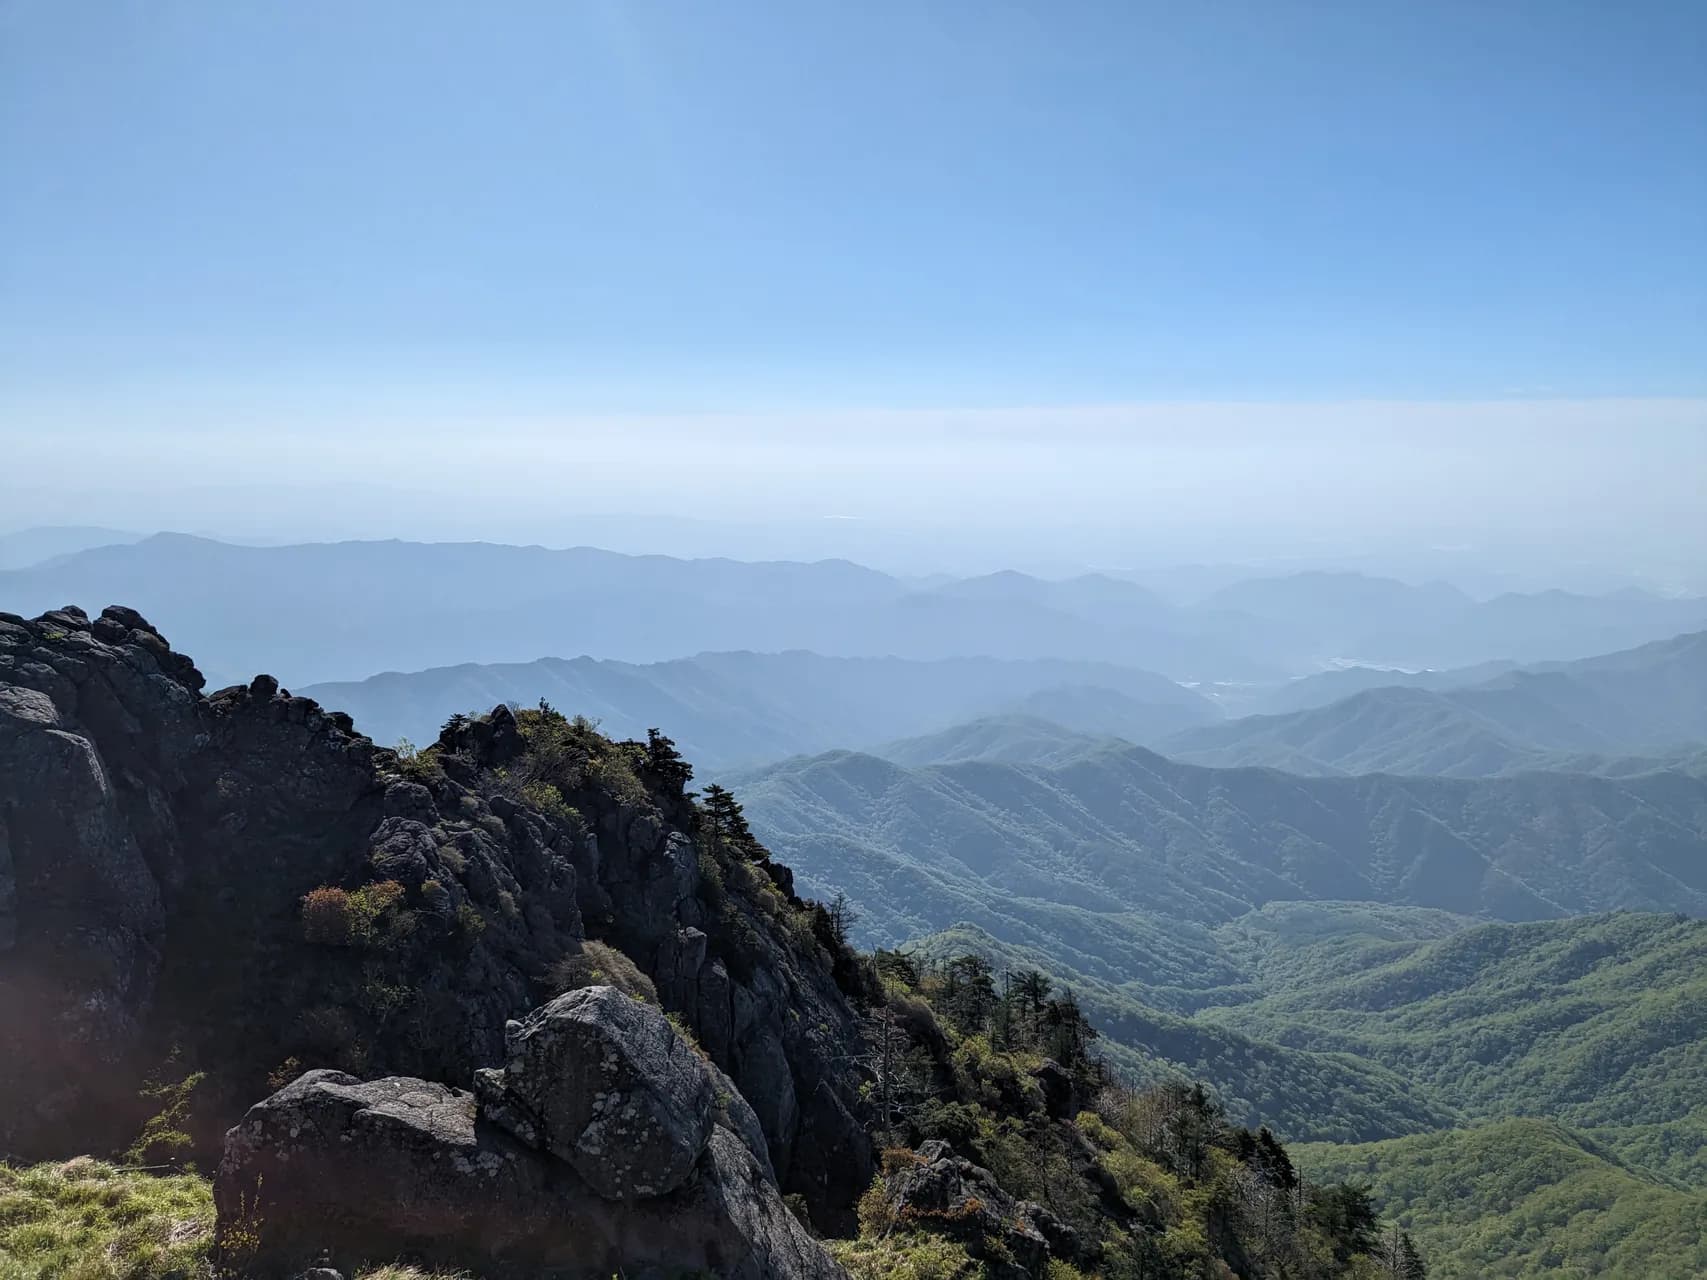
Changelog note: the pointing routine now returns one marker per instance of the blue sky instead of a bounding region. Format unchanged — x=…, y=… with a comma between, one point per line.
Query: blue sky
x=233, y=232
x=636, y=205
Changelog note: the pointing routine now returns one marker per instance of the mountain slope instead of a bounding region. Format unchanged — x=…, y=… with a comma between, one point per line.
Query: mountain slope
x=1317, y=618
x=1324, y=687
x=1258, y=1080
x=1594, y=1021
x=1013, y=739
x=1128, y=831
x=1621, y=712
x=1526, y=1199
x=26, y=547
x=1157, y=889
x=211, y=900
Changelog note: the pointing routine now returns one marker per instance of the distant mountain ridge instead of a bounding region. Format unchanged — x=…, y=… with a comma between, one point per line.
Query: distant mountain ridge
x=311, y=613
x=26, y=547
x=1641, y=708
x=1009, y=739
x=731, y=709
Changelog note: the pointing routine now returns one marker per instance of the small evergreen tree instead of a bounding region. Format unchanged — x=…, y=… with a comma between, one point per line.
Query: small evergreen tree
x=723, y=823
x=1411, y=1265
x=1031, y=988
x=1066, y=1033
x=664, y=764
x=969, y=992
x=897, y=965
x=1345, y=1213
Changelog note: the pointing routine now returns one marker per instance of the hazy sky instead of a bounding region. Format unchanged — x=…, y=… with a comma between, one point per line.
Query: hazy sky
x=1359, y=266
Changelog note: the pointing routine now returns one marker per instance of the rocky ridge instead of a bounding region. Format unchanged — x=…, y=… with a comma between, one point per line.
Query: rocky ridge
x=225, y=891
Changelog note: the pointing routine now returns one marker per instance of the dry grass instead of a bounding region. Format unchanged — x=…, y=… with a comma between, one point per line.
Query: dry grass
x=600, y=965
x=86, y=1220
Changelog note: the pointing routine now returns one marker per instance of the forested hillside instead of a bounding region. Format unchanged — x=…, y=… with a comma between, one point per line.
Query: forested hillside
x=1594, y=1021
x=1128, y=832
x=1619, y=713
x=1527, y=1200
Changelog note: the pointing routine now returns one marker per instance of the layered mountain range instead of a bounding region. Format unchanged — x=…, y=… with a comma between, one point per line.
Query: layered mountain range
x=342, y=611
x=1398, y=916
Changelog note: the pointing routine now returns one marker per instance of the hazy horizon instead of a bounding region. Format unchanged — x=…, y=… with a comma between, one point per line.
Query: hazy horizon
x=1567, y=489
x=942, y=291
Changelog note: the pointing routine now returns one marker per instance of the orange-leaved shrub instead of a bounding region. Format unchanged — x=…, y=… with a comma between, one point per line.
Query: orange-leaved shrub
x=328, y=918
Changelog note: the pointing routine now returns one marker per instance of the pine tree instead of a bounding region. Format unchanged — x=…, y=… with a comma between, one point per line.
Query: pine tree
x=1411, y=1264
x=723, y=823
x=969, y=992
x=897, y=965
x=1031, y=988
x=1069, y=1034
x=665, y=764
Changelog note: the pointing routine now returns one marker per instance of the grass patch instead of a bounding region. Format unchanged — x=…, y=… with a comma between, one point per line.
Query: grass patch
x=86, y=1220
x=907, y=1256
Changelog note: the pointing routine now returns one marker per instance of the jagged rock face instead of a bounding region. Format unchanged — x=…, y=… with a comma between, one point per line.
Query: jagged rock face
x=87, y=844
x=778, y=1024
x=943, y=1193
x=156, y=846
x=406, y=1168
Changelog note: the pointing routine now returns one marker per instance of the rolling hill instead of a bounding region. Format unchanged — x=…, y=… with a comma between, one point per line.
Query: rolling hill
x=1125, y=830
x=1526, y=1200
x=1010, y=739
x=1594, y=1021
x=1644, y=708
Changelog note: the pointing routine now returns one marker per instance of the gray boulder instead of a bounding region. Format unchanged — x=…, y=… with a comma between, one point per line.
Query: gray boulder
x=335, y=1171
x=609, y=1086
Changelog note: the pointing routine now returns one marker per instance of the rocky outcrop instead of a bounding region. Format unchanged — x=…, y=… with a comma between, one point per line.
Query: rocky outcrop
x=940, y=1192
x=88, y=844
x=1059, y=1088
x=157, y=846
x=602, y=1081
x=515, y=1183
x=770, y=1013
